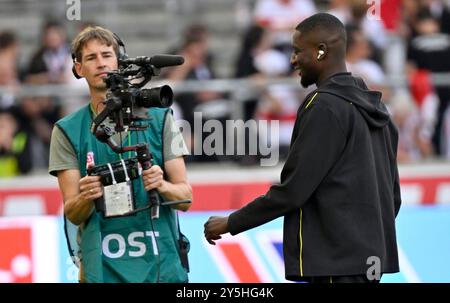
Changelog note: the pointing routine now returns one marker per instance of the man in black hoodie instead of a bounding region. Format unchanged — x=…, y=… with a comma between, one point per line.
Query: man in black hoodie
x=339, y=191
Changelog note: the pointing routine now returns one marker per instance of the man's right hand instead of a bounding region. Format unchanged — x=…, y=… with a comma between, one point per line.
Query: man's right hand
x=214, y=228
x=90, y=188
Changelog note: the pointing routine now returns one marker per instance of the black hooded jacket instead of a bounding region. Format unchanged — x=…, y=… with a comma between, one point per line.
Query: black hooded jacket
x=339, y=191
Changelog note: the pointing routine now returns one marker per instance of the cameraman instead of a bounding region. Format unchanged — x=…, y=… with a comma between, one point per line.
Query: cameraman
x=124, y=249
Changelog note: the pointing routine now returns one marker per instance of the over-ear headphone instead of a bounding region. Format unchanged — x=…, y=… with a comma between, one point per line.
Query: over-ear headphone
x=320, y=54
x=122, y=55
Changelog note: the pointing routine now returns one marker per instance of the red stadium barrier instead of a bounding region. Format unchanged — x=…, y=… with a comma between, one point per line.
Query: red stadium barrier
x=207, y=197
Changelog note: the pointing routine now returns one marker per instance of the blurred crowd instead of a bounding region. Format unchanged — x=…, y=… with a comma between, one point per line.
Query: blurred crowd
x=406, y=38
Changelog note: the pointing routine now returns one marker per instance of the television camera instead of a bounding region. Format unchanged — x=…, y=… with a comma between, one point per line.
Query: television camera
x=125, y=106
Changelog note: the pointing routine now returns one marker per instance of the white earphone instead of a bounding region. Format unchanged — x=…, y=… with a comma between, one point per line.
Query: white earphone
x=320, y=54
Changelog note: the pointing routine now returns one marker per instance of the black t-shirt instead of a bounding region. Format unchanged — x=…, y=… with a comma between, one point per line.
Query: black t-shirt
x=430, y=52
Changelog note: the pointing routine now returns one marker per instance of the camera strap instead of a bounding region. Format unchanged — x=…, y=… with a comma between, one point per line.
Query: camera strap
x=127, y=178
x=112, y=173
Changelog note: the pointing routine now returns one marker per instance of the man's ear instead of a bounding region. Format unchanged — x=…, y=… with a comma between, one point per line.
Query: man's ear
x=322, y=51
x=77, y=66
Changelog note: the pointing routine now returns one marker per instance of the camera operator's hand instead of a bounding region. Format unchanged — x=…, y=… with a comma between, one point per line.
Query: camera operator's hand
x=90, y=188
x=154, y=178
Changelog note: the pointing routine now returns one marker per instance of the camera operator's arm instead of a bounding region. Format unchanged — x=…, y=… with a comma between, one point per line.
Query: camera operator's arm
x=174, y=187
x=78, y=194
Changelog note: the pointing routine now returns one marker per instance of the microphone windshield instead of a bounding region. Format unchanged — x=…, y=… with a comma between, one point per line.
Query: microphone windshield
x=166, y=60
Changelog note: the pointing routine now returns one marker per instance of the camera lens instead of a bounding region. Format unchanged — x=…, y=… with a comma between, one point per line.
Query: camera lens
x=155, y=97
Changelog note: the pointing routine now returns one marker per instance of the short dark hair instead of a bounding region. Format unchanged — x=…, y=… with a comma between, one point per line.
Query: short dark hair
x=196, y=30
x=352, y=29
x=52, y=23
x=7, y=38
x=323, y=21
x=425, y=14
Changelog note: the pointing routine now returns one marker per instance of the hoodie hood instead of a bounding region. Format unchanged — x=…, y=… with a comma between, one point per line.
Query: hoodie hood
x=354, y=90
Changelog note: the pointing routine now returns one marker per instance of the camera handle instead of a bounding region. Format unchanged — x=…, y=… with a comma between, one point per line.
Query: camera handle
x=145, y=157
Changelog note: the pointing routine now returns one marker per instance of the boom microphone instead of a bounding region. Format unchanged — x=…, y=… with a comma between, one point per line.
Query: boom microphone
x=157, y=61
x=166, y=60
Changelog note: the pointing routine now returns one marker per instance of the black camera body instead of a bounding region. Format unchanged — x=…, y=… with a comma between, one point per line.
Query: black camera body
x=131, y=164
x=134, y=95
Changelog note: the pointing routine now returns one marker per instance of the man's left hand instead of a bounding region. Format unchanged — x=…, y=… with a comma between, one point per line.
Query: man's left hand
x=214, y=227
x=154, y=178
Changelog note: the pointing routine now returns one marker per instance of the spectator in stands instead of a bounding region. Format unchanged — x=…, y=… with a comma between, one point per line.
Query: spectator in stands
x=9, y=77
x=372, y=28
x=197, y=66
x=413, y=144
x=194, y=32
x=410, y=8
x=279, y=101
x=14, y=146
x=254, y=41
x=36, y=116
x=50, y=63
x=427, y=102
x=359, y=63
x=430, y=50
x=33, y=116
x=339, y=191
x=440, y=11
x=280, y=18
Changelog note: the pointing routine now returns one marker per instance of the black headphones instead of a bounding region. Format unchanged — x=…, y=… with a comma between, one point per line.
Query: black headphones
x=122, y=55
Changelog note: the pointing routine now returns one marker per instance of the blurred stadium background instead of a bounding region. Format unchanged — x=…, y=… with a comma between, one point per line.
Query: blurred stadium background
x=239, y=51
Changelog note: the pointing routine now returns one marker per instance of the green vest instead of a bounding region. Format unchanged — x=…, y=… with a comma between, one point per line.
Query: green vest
x=133, y=248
